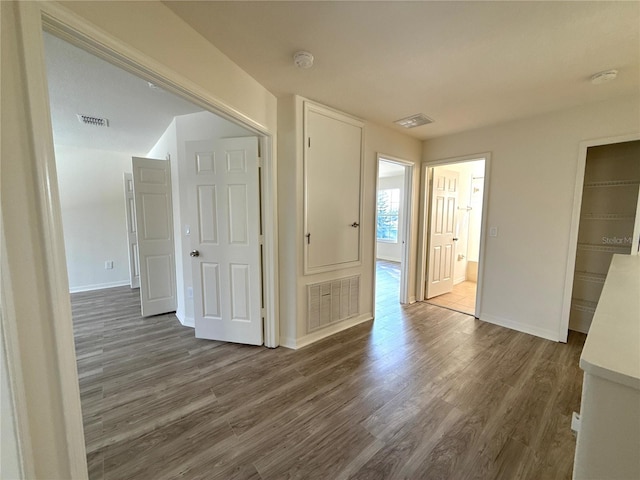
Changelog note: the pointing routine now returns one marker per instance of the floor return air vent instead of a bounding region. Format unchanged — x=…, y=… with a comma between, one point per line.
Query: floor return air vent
x=332, y=301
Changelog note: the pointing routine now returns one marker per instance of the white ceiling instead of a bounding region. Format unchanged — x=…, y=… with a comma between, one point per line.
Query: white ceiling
x=464, y=64
x=81, y=83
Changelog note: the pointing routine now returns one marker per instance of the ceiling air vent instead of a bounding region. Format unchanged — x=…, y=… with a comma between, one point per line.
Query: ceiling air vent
x=414, y=121
x=89, y=120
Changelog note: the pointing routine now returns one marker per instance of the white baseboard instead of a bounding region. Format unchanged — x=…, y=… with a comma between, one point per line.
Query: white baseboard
x=521, y=327
x=412, y=299
x=459, y=280
x=99, y=286
x=186, y=321
x=324, y=333
x=388, y=258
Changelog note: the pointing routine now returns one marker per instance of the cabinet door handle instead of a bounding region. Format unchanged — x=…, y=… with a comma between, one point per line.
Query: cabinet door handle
x=308, y=235
x=355, y=224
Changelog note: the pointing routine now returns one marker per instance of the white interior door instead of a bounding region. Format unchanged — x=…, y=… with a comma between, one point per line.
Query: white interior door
x=444, y=199
x=224, y=194
x=132, y=234
x=154, y=226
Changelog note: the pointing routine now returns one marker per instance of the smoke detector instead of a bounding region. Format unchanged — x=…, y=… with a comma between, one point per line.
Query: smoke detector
x=303, y=59
x=90, y=120
x=414, y=121
x=604, y=77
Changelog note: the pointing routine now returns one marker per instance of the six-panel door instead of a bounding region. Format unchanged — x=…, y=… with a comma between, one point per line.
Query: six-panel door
x=223, y=184
x=444, y=198
x=154, y=225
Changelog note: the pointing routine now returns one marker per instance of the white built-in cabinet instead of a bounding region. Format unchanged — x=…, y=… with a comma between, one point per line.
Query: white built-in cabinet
x=333, y=189
x=321, y=222
x=608, y=443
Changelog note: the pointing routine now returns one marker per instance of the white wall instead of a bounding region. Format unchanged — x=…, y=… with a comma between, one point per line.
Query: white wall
x=93, y=216
x=533, y=175
x=390, y=250
x=185, y=128
x=293, y=302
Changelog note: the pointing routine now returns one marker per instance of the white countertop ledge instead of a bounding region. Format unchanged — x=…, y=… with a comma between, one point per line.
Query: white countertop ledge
x=612, y=349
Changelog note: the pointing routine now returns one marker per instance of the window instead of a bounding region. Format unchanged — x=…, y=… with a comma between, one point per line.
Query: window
x=388, y=207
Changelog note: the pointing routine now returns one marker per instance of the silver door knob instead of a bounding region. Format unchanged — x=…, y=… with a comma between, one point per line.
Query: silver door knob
x=194, y=253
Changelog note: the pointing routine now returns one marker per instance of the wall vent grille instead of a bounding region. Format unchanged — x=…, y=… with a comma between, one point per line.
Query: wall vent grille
x=333, y=301
x=96, y=121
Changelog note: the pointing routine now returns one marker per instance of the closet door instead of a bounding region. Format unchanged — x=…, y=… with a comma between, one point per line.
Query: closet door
x=607, y=218
x=332, y=176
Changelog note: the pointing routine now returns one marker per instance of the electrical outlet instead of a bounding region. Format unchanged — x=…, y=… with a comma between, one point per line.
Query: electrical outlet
x=108, y=265
x=493, y=231
x=189, y=292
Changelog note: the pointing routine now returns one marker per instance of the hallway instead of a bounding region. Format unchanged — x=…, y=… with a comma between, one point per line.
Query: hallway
x=420, y=389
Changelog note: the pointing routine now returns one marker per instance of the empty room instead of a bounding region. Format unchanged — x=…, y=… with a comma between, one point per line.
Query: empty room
x=265, y=240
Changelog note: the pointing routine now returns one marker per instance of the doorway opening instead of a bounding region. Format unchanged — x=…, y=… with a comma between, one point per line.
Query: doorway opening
x=454, y=234
x=393, y=231
x=94, y=220
x=605, y=221
x=132, y=117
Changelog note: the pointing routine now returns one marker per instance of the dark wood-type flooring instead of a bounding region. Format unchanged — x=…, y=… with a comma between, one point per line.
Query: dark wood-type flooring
x=422, y=392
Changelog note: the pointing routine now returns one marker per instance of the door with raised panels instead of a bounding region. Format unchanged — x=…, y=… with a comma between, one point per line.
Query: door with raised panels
x=132, y=234
x=154, y=226
x=444, y=199
x=224, y=195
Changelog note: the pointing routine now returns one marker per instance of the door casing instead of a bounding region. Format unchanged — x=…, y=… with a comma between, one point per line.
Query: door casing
x=407, y=227
x=425, y=194
x=563, y=333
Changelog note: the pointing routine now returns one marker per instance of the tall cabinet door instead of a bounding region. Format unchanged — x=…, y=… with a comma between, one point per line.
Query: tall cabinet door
x=332, y=174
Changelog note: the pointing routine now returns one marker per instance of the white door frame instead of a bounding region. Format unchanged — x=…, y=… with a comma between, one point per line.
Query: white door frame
x=406, y=227
x=563, y=333
x=425, y=224
x=61, y=444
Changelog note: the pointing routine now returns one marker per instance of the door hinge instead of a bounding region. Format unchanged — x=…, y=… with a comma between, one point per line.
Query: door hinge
x=261, y=239
x=260, y=162
x=263, y=313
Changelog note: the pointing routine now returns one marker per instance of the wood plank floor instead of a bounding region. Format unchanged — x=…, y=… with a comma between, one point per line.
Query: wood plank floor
x=420, y=393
